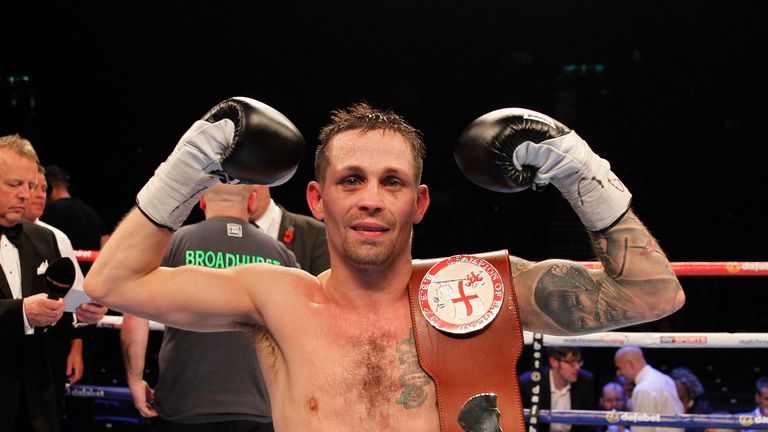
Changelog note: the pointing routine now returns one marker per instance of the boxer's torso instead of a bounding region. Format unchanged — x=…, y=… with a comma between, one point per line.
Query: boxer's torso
x=331, y=368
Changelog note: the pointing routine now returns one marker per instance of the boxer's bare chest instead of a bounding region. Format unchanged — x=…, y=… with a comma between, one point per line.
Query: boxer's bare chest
x=365, y=372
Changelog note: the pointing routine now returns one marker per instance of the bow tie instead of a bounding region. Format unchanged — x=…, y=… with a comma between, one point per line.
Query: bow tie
x=13, y=234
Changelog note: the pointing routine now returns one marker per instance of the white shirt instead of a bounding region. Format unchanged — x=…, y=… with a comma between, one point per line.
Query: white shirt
x=269, y=222
x=655, y=392
x=9, y=259
x=66, y=250
x=561, y=400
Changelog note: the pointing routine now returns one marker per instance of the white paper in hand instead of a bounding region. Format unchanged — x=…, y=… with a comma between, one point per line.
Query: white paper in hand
x=74, y=298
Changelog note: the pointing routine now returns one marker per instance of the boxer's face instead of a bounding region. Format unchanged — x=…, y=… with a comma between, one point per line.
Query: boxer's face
x=369, y=198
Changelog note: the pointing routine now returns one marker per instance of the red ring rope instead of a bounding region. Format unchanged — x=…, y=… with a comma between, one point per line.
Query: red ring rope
x=730, y=268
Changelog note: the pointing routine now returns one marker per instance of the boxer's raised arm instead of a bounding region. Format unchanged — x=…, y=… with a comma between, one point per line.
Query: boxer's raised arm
x=561, y=297
x=239, y=140
x=512, y=149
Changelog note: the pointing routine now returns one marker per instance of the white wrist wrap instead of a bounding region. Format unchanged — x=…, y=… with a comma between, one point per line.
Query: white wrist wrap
x=171, y=194
x=585, y=179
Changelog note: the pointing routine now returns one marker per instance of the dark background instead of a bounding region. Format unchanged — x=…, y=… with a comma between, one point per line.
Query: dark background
x=673, y=94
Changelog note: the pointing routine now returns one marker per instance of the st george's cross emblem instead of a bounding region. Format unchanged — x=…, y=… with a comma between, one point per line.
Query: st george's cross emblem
x=461, y=294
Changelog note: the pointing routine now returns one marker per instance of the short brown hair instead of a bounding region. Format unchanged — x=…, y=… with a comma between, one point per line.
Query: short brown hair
x=562, y=352
x=366, y=118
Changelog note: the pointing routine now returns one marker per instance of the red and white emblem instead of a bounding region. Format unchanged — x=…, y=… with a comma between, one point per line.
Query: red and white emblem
x=461, y=294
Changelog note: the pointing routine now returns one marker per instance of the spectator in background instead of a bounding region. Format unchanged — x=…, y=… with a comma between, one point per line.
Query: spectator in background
x=79, y=221
x=302, y=235
x=654, y=391
x=87, y=231
x=761, y=399
x=210, y=381
x=27, y=389
x=613, y=398
x=565, y=386
x=691, y=393
x=65, y=355
x=629, y=387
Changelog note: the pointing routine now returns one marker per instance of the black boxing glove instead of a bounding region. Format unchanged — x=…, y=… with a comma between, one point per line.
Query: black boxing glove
x=505, y=142
x=239, y=140
x=485, y=148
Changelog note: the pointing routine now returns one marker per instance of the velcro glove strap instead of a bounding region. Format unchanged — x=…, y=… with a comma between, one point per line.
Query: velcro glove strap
x=194, y=166
x=584, y=178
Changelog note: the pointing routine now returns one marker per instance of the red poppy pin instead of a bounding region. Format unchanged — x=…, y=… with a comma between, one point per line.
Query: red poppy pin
x=288, y=235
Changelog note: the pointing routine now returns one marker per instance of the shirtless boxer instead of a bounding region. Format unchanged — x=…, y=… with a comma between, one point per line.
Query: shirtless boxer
x=337, y=350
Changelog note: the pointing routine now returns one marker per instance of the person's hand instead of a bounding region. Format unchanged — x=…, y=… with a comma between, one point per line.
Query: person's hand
x=90, y=313
x=584, y=178
x=42, y=311
x=143, y=398
x=240, y=140
x=512, y=148
x=75, y=364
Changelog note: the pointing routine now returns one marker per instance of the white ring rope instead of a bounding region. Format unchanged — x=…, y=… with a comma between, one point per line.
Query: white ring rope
x=116, y=321
x=658, y=340
x=605, y=339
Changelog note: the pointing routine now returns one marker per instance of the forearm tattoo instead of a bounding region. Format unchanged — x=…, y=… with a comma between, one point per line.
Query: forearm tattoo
x=613, y=247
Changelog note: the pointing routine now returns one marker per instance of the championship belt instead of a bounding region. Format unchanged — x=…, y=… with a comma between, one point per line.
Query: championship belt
x=468, y=339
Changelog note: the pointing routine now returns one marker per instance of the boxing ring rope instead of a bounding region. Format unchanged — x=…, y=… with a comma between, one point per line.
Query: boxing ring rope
x=657, y=340
x=692, y=268
x=699, y=268
x=625, y=418
x=574, y=417
x=116, y=321
x=603, y=339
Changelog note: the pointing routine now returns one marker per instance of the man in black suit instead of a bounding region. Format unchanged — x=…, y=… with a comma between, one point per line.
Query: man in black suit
x=27, y=396
x=303, y=235
x=564, y=385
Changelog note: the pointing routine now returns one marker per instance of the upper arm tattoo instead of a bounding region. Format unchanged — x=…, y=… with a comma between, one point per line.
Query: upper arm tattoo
x=570, y=297
x=637, y=283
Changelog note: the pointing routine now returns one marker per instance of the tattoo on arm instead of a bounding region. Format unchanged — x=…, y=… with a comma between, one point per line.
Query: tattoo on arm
x=614, y=258
x=576, y=302
x=614, y=246
x=637, y=284
x=518, y=265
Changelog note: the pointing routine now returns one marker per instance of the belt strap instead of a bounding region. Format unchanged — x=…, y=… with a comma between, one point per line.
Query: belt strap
x=480, y=363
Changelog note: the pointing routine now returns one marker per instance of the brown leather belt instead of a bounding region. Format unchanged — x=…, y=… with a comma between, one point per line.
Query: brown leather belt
x=465, y=365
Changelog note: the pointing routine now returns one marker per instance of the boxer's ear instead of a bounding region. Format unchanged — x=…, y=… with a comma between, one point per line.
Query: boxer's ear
x=315, y=200
x=422, y=203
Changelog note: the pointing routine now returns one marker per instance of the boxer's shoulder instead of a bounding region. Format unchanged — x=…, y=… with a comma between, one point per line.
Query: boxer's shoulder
x=276, y=282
